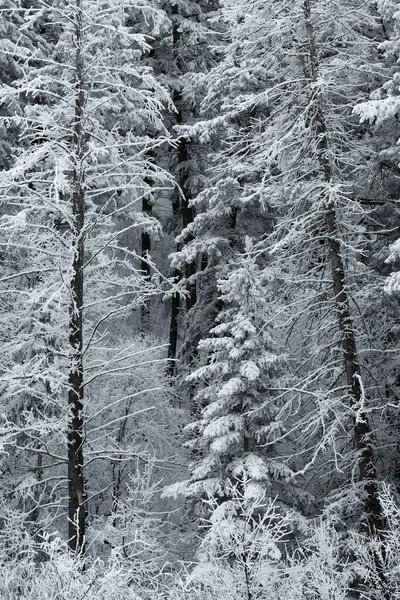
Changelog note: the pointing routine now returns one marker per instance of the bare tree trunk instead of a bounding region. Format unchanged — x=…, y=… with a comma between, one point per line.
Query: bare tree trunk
x=173, y=331
x=147, y=206
x=76, y=488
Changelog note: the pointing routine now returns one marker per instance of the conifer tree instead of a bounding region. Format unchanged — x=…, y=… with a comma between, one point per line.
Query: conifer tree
x=226, y=209
x=183, y=59
x=82, y=162
x=284, y=92
x=234, y=439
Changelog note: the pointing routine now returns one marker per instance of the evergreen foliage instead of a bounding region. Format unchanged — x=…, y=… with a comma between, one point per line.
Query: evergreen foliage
x=239, y=415
x=234, y=444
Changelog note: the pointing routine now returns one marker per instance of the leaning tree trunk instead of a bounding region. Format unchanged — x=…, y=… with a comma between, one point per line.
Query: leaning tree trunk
x=374, y=519
x=76, y=488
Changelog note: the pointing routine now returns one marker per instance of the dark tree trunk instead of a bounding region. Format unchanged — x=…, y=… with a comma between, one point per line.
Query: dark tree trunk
x=181, y=210
x=76, y=487
x=175, y=304
x=187, y=216
x=147, y=207
x=374, y=520
x=173, y=331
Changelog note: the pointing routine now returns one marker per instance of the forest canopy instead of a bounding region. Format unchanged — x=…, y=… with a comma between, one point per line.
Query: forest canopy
x=199, y=288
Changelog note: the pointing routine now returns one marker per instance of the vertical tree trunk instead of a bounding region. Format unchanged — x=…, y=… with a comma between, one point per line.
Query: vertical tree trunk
x=173, y=331
x=181, y=210
x=187, y=213
x=374, y=520
x=145, y=267
x=76, y=489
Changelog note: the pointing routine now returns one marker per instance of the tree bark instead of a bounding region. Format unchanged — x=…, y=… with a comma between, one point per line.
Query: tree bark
x=75, y=437
x=147, y=206
x=181, y=209
x=374, y=519
x=173, y=331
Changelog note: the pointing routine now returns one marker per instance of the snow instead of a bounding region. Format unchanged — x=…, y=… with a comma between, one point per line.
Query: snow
x=378, y=111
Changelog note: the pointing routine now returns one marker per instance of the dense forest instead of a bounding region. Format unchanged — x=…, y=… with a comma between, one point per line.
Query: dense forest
x=200, y=299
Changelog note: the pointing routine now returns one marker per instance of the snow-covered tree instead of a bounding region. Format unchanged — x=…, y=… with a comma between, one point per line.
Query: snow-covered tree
x=293, y=73
x=82, y=163
x=183, y=59
x=379, y=114
x=239, y=417
x=241, y=553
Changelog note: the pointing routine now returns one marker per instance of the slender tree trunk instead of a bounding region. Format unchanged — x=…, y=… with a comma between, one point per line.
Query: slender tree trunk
x=173, y=330
x=175, y=304
x=374, y=520
x=147, y=207
x=181, y=210
x=187, y=216
x=76, y=488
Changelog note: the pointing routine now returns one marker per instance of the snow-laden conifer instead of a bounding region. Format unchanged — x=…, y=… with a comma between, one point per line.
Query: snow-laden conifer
x=380, y=111
x=239, y=414
x=183, y=60
x=292, y=75
x=91, y=114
